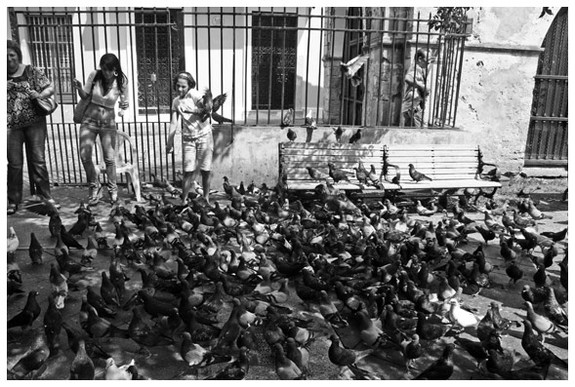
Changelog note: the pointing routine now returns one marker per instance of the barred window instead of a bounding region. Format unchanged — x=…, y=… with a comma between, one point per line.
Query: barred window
x=158, y=48
x=52, y=50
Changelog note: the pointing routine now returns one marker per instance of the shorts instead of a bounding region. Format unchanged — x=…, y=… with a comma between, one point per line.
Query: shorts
x=198, y=153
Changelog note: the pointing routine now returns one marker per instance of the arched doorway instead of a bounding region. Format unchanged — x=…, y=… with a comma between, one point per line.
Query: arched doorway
x=547, y=135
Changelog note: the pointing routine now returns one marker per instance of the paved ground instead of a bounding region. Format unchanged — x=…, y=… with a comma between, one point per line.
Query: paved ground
x=165, y=362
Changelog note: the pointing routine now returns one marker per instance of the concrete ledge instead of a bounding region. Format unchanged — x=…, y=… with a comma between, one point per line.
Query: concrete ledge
x=545, y=172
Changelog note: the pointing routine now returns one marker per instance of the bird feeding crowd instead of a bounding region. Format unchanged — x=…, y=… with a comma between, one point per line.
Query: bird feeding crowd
x=222, y=287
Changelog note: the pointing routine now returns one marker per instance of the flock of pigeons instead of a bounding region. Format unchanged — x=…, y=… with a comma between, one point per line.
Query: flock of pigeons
x=226, y=284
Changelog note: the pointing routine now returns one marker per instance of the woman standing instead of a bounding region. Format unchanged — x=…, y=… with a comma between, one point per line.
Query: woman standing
x=26, y=127
x=106, y=86
x=197, y=137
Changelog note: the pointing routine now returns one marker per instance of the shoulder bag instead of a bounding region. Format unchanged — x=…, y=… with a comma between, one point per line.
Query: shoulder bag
x=44, y=106
x=81, y=106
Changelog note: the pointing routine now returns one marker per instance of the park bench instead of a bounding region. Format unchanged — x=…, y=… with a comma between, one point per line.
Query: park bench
x=295, y=157
x=450, y=167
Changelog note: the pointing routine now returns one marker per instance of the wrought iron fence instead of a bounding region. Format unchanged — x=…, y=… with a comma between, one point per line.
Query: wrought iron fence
x=267, y=60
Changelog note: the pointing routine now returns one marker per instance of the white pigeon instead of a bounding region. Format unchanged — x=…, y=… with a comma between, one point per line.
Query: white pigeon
x=13, y=242
x=460, y=316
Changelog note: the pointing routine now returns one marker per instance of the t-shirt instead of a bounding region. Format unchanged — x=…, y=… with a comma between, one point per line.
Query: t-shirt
x=109, y=100
x=192, y=126
x=412, y=97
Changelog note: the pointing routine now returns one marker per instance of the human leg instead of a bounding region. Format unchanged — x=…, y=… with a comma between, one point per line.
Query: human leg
x=87, y=142
x=205, y=156
x=189, y=149
x=108, y=139
x=35, y=142
x=206, y=179
x=15, y=140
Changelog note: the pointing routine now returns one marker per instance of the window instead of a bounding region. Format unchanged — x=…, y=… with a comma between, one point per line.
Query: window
x=273, y=61
x=52, y=50
x=158, y=49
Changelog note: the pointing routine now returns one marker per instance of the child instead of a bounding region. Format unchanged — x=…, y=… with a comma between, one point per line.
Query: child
x=197, y=138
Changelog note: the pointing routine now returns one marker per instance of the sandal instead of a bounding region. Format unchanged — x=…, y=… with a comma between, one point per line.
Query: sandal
x=12, y=208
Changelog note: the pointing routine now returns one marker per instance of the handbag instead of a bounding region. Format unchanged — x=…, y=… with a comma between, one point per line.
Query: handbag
x=81, y=107
x=46, y=106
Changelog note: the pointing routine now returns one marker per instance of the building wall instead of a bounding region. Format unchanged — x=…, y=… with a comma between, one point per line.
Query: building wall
x=497, y=81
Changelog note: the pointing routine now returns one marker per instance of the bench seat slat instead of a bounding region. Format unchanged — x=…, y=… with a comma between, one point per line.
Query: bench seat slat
x=443, y=184
x=328, y=145
x=335, y=159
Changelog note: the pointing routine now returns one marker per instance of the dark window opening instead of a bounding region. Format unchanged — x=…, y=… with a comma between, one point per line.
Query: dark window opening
x=274, y=61
x=157, y=48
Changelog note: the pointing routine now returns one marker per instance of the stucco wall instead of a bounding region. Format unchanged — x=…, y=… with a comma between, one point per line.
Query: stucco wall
x=497, y=81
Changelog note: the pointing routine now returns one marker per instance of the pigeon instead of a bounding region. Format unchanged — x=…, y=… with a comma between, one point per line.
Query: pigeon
x=351, y=68
x=555, y=236
x=461, y=317
x=13, y=242
x=474, y=348
x=552, y=308
x=514, y=272
x=537, y=352
x=113, y=372
x=310, y=122
x=284, y=367
x=82, y=367
x=196, y=355
x=337, y=174
x=288, y=118
x=35, y=250
x=237, y=370
x=52, y=324
x=26, y=317
x=338, y=132
x=291, y=135
x=315, y=174
x=539, y=323
x=33, y=361
x=417, y=176
x=355, y=137
x=58, y=285
x=441, y=369
x=411, y=350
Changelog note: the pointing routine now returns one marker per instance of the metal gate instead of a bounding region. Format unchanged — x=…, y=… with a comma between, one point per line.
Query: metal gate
x=547, y=135
x=267, y=60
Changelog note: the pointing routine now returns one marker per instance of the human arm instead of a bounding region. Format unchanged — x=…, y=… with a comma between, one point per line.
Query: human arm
x=416, y=79
x=42, y=85
x=46, y=93
x=84, y=91
x=172, y=133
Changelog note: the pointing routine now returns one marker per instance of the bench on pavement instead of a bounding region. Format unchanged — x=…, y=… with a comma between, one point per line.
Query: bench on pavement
x=450, y=167
x=295, y=157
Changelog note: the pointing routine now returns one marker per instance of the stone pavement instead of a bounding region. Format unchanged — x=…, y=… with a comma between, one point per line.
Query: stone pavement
x=165, y=362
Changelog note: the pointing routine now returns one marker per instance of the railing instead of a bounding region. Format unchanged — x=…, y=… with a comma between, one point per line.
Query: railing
x=267, y=60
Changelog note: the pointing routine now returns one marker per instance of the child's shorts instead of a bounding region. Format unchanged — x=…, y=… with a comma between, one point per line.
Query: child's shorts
x=198, y=152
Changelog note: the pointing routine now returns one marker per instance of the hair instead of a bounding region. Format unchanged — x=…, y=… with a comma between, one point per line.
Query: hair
x=421, y=53
x=111, y=62
x=186, y=76
x=12, y=45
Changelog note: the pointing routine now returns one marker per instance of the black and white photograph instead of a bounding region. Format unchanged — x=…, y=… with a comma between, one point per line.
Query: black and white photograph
x=290, y=191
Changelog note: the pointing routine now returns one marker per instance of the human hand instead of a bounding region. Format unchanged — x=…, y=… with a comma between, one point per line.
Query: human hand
x=33, y=94
x=169, y=148
x=77, y=84
x=124, y=105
